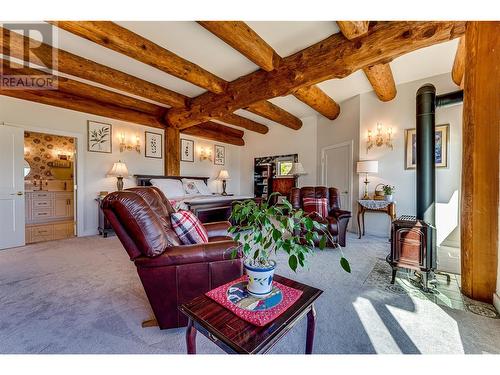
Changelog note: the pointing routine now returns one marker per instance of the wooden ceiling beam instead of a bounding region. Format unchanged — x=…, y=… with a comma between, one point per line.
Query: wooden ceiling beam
x=122, y=40
x=382, y=81
x=353, y=29
x=245, y=123
x=334, y=57
x=215, y=132
x=68, y=63
x=457, y=73
x=246, y=41
x=274, y=113
x=380, y=75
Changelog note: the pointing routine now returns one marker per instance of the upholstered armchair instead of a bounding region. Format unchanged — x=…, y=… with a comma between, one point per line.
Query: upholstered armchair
x=171, y=273
x=336, y=221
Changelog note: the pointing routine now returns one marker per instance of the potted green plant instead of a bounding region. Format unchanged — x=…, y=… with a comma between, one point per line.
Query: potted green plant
x=388, y=192
x=264, y=229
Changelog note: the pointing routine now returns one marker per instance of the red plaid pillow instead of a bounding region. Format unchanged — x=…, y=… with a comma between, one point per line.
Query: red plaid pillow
x=318, y=205
x=188, y=228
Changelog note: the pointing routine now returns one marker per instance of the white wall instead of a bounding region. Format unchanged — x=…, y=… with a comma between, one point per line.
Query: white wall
x=344, y=128
x=94, y=166
x=281, y=140
x=400, y=114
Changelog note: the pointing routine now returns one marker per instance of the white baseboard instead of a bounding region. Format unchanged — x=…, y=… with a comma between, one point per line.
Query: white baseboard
x=496, y=301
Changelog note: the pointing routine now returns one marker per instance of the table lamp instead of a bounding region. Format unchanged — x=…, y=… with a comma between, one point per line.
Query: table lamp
x=297, y=170
x=367, y=166
x=119, y=171
x=223, y=176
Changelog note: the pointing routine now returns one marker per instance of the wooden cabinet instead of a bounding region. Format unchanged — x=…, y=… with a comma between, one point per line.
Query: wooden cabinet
x=49, y=215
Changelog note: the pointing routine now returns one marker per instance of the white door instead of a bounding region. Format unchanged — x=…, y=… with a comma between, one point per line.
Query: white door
x=337, y=171
x=11, y=186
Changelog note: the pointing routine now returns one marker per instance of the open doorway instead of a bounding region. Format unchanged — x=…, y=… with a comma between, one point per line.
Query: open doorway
x=49, y=181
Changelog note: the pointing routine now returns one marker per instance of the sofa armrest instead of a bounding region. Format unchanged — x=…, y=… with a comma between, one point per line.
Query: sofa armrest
x=218, y=228
x=185, y=254
x=339, y=214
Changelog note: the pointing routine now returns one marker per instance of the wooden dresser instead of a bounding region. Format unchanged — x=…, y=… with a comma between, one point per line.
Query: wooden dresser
x=49, y=215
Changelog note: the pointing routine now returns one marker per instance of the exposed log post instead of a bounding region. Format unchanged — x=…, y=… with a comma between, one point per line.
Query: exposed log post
x=382, y=81
x=13, y=45
x=172, y=152
x=274, y=113
x=353, y=29
x=216, y=132
x=457, y=73
x=334, y=57
x=122, y=40
x=479, y=227
x=315, y=98
x=243, y=39
x=77, y=103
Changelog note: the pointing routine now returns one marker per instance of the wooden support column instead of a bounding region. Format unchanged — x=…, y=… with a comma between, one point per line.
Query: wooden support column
x=172, y=152
x=479, y=229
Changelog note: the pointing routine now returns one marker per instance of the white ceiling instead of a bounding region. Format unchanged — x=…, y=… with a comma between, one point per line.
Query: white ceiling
x=192, y=42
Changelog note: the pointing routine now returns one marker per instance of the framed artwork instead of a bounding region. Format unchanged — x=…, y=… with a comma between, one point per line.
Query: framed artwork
x=99, y=137
x=441, y=151
x=153, y=145
x=187, y=150
x=220, y=155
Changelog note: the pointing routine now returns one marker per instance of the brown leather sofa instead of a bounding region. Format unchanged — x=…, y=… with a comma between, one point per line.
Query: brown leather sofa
x=170, y=272
x=337, y=219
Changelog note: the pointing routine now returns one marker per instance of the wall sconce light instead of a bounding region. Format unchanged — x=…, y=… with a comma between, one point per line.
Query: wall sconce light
x=379, y=140
x=126, y=147
x=205, y=153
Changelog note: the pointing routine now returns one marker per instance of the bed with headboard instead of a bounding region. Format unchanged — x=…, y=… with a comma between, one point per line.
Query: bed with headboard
x=207, y=206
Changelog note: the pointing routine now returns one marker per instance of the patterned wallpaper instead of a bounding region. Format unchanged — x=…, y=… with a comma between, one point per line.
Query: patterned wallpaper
x=40, y=150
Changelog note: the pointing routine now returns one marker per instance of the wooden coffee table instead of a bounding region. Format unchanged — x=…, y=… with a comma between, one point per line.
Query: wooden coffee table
x=236, y=336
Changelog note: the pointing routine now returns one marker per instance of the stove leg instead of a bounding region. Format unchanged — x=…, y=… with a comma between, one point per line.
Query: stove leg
x=394, y=270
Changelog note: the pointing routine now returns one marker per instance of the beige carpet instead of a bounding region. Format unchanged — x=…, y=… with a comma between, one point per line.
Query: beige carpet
x=83, y=296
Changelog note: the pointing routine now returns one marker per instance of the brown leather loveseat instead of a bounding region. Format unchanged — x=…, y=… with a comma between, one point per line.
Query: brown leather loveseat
x=337, y=219
x=170, y=272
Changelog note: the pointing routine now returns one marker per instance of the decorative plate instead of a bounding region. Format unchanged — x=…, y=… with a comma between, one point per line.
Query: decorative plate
x=238, y=295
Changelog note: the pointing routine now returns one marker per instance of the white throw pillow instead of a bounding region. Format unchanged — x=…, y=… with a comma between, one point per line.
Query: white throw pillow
x=190, y=187
x=202, y=187
x=171, y=188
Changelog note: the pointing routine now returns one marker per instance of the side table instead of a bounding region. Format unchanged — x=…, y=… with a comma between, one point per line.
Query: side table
x=366, y=205
x=104, y=226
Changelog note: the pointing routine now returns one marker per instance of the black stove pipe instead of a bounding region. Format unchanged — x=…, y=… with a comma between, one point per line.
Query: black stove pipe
x=426, y=184
x=451, y=98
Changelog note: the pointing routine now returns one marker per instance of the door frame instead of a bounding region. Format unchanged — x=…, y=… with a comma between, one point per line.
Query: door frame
x=350, y=144
x=79, y=167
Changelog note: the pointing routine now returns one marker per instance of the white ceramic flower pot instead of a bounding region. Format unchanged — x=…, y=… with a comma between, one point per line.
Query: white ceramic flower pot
x=388, y=198
x=260, y=279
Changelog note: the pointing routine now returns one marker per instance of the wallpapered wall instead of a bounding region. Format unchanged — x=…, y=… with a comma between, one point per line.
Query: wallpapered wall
x=40, y=149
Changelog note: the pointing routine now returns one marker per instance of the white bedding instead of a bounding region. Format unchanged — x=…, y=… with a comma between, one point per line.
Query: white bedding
x=182, y=203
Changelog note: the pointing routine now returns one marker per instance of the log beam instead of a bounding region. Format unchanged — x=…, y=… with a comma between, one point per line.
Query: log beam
x=122, y=40
x=245, y=123
x=457, y=73
x=13, y=45
x=77, y=103
x=172, y=152
x=479, y=224
x=334, y=57
x=274, y=113
x=382, y=81
x=353, y=29
x=246, y=41
x=215, y=132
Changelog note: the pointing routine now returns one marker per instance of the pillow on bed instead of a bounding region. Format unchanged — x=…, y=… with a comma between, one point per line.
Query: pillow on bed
x=190, y=187
x=202, y=187
x=171, y=188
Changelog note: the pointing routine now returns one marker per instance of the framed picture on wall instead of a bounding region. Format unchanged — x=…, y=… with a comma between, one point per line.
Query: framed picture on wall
x=220, y=155
x=187, y=150
x=99, y=137
x=441, y=151
x=153, y=145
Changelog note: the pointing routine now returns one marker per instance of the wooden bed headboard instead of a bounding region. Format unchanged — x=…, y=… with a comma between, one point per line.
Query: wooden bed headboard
x=145, y=180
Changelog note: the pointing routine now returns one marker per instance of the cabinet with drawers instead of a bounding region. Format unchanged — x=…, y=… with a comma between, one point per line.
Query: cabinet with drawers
x=49, y=215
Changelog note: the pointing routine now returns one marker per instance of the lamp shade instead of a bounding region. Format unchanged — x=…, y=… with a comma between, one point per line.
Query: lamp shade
x=367, y=166
x=223, y=175
x=119, y=170
x=297, y=170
